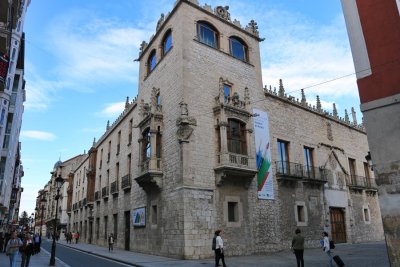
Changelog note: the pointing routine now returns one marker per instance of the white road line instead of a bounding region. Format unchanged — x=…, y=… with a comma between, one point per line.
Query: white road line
x=57, y=259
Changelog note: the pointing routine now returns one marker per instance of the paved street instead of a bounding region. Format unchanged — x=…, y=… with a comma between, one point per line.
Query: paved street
x=354, y=255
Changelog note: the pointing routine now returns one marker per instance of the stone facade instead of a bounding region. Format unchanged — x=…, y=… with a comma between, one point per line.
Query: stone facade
x=172, y=154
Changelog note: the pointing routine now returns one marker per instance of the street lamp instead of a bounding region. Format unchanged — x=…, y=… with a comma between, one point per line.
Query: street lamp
x=59, y=182
x=42, y=201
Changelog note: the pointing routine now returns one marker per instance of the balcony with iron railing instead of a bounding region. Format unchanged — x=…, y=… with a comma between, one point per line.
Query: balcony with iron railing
x=105, y=192
x=151, y=171
x=356, y=182
x=126, y=182
x=235, y=167
x=114, y=188
x=84, y=202
x=290, y=171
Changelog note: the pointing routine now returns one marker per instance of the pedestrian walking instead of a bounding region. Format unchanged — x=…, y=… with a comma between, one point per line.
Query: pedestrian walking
x=37, y=241
x=326, y=247
x=77, y=238
x=298, y=247
x=1, y=242
x=26, y=250
x=219, y=249
x=111, y=242
x=6, y=238
x=69, y=237
x=12, y=249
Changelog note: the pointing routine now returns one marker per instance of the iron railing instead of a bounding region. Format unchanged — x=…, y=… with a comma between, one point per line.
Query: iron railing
x=299, y=171
x=126, y=182
x=104, y=192
x=361, y=182
x=114, y=188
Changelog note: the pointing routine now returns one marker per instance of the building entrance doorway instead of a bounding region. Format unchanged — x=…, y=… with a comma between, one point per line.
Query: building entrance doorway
x=127, y=229
x=338, y=225
x=90, y=232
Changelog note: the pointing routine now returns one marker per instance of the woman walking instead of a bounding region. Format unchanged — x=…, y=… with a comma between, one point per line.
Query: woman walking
x=327, y=247
x=26, y=250
x=12, y=248
x=219, y=249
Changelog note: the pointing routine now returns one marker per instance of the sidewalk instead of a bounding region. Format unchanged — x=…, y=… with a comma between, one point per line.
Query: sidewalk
x=354, y=255
x=39, y=260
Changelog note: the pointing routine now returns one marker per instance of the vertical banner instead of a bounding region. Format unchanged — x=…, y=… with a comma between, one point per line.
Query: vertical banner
x=263, y=155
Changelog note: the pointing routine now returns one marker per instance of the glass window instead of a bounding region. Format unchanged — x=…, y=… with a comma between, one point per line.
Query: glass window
x=146, y=145
x=227, y=91
x=308, y=162
x=207, y=34
x=236, y=132
x=151, y=62
x=283, y=158
x=238, y=48
x=233, y=212
x=167, y=42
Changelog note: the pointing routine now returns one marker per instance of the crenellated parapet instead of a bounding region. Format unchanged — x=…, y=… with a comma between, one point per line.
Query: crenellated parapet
x=109, y=127
x=280, y=93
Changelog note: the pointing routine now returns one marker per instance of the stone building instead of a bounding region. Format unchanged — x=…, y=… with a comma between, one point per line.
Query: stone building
x=374, y=33
x=12, y=98
x=205, y=146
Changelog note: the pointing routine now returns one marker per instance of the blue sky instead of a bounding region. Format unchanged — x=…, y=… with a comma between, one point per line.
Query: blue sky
x=79, y=66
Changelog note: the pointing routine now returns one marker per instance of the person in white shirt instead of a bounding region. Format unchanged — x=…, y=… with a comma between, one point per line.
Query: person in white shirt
x=219, y=249
x=327, y=248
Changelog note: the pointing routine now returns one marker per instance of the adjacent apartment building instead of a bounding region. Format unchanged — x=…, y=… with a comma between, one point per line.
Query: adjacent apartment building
x=12, y=96
x=374, y=32
x=205, y=146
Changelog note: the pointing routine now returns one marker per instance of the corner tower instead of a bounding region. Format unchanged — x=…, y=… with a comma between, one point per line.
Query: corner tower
x=198, y=75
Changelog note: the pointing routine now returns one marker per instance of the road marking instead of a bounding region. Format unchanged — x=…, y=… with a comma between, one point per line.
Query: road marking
x=57, y=259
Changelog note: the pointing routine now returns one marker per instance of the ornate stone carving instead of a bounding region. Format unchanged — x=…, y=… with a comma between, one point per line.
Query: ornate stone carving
x=329, y=131
x=222, y=12
x=340, y=178
x=144, y=108
x=160, y=21
x=252, y=27
x=143, y=46
x=184, y=123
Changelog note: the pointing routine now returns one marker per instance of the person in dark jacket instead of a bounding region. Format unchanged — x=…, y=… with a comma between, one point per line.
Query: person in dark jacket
x=26, y=250
x=298, y=247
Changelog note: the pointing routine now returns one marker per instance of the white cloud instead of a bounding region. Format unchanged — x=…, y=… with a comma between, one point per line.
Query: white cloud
x=314, y=57
x=95, y=50
x=46, y=136
x=112, y=109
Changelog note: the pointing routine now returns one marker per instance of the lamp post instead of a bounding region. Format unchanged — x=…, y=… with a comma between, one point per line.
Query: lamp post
x=59, y=182
x=36, y=213
x=33, y=215
x=42, y=201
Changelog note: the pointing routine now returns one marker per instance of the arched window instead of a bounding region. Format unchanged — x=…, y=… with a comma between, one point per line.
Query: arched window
x=151, y=62
x=207, y=34
x=236, y=133
x=167, y=42
x=146, y=145
x=238, y=48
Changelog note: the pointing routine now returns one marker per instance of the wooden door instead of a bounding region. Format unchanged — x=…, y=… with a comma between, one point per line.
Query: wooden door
x=338, y=225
